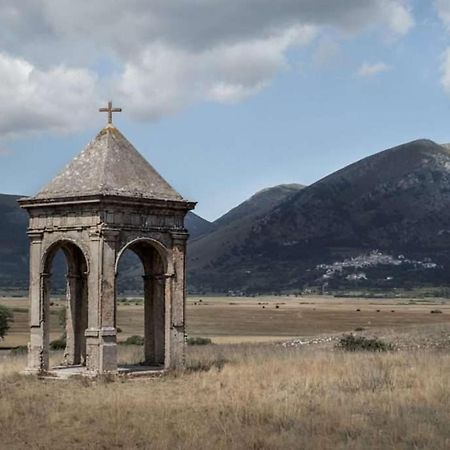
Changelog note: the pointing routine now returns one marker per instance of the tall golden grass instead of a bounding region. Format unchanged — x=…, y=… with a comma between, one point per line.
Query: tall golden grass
x=239, y=397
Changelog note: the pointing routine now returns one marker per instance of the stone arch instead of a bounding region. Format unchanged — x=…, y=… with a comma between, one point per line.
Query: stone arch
x=76, y=296
x=67, y=246
x=156, y=262
x=162, y=250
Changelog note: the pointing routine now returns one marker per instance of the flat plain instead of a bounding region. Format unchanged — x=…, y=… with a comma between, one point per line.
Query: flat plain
x=245, y=391
x=257, y=319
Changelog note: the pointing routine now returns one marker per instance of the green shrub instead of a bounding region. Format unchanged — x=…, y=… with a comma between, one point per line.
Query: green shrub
x=198, y=341
x=62, y=316
x=58, y=344
x=6, y=317
x=20, y=350
x=352, y=343
x=134, y=340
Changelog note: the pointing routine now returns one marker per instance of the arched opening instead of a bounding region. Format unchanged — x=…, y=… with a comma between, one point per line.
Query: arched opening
x=141, y=269
x=76, y=304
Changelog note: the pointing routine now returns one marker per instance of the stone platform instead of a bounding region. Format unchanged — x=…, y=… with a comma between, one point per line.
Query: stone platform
x=131, y=371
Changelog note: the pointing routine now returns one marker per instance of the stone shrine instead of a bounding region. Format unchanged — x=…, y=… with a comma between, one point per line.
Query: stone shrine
x=107, y=200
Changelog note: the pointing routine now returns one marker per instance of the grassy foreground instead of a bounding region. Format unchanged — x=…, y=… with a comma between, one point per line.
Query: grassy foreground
x=240, y=397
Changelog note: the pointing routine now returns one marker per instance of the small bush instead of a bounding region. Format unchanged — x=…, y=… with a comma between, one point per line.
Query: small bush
x=351, y=343
x=198, y=341
x=58, y=344
x=134, y=340
x=6, y=317
x=359, y=329
x=20, y=350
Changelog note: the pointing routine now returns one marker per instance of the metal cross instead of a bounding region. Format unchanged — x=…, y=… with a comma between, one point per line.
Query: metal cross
x=110, y=110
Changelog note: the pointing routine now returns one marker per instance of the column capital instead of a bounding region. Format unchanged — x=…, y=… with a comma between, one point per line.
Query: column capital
x=71, y=276
x=158, y=276
x=179, y=237
x=35, y=236
x=94, y=234
x=110, y=235
x=102, y=231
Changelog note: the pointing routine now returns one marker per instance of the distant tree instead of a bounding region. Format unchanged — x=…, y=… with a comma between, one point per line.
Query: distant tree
x=6, y=317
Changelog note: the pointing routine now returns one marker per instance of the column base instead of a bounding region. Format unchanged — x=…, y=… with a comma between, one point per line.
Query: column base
x=37, y=357
x=101, y=347
x=175, y=358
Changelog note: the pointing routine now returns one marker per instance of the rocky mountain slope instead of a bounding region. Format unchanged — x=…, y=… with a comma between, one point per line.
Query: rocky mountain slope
x=396, y=202
x=229, y=230
x=13, y=242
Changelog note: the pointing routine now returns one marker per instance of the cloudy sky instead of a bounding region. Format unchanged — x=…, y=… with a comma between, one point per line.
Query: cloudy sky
x=223, y=97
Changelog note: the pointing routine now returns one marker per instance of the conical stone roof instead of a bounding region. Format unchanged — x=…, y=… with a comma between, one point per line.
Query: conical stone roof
x=109, y=165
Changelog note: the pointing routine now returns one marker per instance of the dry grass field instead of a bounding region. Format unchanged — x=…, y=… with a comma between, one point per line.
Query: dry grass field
x=240, y=397
x=241, y=319
x=254, y=394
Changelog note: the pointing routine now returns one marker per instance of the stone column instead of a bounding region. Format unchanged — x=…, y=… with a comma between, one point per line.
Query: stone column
x=76, y=315
x=83, y=293
x=101, y=335
x=154, y=308
x=149, y=321
x=159, y=291
x=39, y=308
x=72, y=322
x=178, y=301
x=108, y=332
x=93, y=281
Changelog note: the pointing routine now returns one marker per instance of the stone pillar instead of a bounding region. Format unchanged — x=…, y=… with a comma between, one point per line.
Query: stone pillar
x=76, y=315
x=72, y=322
x=178, y=300
x=159, y=291
x=39, y=309
x=101, y=335
x=154, y=309
x=108, y=332
x=149, y=321
x=93, y=281
x=83, y=293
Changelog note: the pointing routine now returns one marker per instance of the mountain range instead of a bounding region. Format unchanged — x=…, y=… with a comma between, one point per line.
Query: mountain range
x=393, y=204
x=383, y=221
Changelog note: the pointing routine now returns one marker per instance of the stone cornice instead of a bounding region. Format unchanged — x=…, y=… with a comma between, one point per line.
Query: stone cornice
x=106, y=200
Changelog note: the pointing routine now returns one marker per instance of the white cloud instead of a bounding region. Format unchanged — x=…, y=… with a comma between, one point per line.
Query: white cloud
x=369, y=70
x=5, y=151
x=443, y=9
x=172, y=77
x=165, y=54
x=56, y=99
x=445, y=67
x=398, y=16
x=326, y=52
